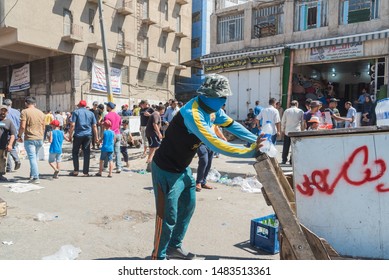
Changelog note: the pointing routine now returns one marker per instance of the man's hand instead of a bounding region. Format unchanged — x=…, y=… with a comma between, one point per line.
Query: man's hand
x=9, y=148
x=260, y=139
x=20, y=140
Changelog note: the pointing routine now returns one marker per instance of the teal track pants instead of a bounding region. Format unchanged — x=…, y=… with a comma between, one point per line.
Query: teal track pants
x=175, y=200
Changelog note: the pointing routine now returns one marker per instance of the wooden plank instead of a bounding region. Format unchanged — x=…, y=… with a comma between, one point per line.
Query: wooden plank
x=286, y=252
x=286, y=187
x=281, y=206
x=3, y=207
x=317, y=246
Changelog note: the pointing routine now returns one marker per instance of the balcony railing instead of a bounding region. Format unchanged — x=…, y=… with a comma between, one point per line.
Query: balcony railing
x=95, y=1
x=182, y=2
x=73, y=33
x=124, y=48
x=126, y=7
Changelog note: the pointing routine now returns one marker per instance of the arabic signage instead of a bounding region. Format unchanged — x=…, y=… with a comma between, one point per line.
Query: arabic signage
x=99, y=81
x=20, y=79
x=256, y=60
x=333, y=52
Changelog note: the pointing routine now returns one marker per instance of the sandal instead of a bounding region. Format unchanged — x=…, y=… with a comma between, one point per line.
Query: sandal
x=207, y=187
x=73, y=173
x=98, y=174
x=85, y=175
x=109, y=176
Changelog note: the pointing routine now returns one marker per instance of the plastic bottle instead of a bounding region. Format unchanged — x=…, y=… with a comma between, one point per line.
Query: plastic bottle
x=382, y=112
x=268, y=146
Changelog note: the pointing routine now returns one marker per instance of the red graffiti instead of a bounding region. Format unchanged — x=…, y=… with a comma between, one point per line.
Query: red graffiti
x=319, y=178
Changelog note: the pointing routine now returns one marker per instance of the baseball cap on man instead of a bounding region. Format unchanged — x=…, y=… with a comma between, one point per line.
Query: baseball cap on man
x=55, y=122
x=82, y=103
x=3, y=107
x=95, y=103
x=215, y=86
x=314, y=119
x=334, y=100
x=110, y=105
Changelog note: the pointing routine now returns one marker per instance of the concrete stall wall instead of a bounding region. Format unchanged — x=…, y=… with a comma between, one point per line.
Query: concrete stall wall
x=342, y=190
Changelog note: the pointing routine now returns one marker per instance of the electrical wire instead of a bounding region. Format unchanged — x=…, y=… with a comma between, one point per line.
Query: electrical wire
x=9, y=12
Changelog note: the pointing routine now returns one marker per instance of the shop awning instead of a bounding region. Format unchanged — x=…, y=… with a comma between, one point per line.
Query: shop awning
x=194, y=63
x=213, y=58
x=341, y=40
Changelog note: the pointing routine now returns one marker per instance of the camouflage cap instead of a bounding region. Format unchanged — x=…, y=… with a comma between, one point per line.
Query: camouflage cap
x=215, y=86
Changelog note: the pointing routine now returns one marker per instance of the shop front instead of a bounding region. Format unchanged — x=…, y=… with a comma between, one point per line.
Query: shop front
x=341, y=68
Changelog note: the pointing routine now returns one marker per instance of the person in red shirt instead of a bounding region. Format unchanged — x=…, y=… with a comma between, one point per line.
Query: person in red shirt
x=116, y=121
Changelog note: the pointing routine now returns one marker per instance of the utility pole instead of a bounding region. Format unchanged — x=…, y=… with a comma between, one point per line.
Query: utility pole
x=105, y=51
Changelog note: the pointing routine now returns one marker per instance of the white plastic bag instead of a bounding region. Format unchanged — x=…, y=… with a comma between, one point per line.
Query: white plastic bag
x=251, y=185
x=46, y=217
x=213, y=175
x=66, y=252
x=21, y=188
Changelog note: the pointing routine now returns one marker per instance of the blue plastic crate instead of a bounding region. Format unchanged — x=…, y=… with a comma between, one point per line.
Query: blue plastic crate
x=264, y=234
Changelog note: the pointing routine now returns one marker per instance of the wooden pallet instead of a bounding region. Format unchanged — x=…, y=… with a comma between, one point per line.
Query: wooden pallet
x=296, y=241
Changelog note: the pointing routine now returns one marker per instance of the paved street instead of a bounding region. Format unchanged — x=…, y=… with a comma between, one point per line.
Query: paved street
x=113, y=218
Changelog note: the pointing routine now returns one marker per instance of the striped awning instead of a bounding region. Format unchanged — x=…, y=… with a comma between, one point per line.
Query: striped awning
x=213, y=58
x=341, y=40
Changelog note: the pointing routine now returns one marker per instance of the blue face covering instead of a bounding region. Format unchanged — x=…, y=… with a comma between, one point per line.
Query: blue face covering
x=214, y=103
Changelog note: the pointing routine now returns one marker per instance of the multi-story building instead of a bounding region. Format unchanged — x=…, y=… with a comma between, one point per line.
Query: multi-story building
x=201, y=41
x=201, y=14
x=53, y=50
x=300, y=49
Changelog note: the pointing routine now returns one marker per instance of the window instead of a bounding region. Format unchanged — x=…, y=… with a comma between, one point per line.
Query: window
x=195, y=43
x=146, y=47
x=196, y=17
x=268, y=21
x=166, y=10
x=125, y=75
x=352, y=11
x=311, y=14
x=67, y=22
x=178, y=29
x=91, y=21
x=164, y=43
x=178, y=56
x=121, y=42
x=145, y=8
x=230, y=29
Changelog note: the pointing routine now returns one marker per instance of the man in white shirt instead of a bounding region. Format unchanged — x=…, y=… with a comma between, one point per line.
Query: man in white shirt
x=271, y=114
x=292, y=121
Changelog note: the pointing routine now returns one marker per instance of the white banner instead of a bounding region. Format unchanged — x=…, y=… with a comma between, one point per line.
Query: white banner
x=99, y=82
x=20, y=78
x=342, y=51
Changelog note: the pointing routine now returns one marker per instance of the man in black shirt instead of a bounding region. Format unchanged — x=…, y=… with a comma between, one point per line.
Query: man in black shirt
x=145, y=112
x=7, y=137
x=173, y=182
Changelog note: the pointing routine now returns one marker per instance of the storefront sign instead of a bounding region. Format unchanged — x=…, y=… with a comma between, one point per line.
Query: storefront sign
x=333, y=52
x=20, y=78
x=99, y=81
x=240, y=62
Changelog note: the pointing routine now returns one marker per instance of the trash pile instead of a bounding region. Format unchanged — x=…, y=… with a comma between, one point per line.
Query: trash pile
x=22, y=187
x=249, y=185
x=66, y=252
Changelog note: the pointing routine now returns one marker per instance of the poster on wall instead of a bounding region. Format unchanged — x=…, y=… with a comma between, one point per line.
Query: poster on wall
x=99, y=81
x=20, y=79
x=348, y=50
